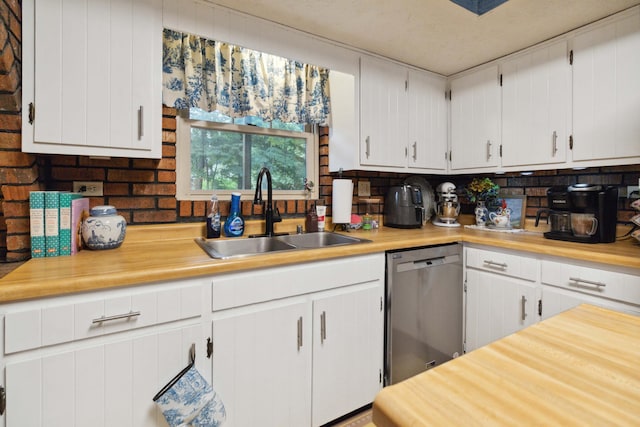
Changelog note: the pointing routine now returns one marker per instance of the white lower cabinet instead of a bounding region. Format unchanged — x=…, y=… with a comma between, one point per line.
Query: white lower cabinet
x=497, y=306
x=98, y=359
x=300, y=345
x=506, y=291
x=566, y=285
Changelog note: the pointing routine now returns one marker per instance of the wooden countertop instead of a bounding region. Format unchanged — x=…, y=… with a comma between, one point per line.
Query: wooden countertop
x=168, y=252
x=579, y=368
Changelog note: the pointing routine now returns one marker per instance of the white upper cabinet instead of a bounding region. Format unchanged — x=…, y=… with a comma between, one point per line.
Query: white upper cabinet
x=536, y=107
x=383, y=113
x=402, y=116
x=427, y=142
x=606, y=91
x=92, y=78
x=475, y=120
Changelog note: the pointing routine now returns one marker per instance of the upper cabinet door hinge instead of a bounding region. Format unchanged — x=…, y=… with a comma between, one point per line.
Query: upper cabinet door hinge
x=450, y=95
x=539, y=307
x=209, y=348
x=500, y=80
x=32, y=113
x=406, y=85
x=570, y=142
x=571, y=57
x=3, y=400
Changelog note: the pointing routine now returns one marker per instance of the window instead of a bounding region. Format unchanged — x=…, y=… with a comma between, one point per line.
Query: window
x=216, y=154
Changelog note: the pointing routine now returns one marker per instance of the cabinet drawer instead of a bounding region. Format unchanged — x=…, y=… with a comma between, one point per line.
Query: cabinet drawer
x=592, y=281
x=502, y=263
x=67, y=319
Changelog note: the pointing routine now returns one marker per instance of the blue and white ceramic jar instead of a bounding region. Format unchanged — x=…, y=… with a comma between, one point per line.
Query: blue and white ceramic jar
x=104, y=228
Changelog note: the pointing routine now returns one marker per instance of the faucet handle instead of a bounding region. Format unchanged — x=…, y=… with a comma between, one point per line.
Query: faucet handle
x=276, y=215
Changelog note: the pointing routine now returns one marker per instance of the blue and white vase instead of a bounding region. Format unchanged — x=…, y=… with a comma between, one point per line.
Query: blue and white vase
x=482, y=214
x=104, y=228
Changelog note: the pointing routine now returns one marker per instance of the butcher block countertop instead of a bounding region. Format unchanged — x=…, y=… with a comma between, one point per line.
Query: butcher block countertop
x=155, y=253
x=579, y=368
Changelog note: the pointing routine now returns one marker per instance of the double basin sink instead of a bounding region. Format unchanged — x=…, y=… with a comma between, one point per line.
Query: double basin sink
x=233, y=248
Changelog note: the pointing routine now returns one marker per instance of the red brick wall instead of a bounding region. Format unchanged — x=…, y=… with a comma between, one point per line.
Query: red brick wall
x=143, y=191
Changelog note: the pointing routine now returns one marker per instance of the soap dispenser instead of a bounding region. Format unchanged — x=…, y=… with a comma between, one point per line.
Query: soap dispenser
x=311, y=221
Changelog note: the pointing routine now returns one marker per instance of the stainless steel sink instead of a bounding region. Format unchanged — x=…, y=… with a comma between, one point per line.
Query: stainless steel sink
x=320, y=240
x=224, y=249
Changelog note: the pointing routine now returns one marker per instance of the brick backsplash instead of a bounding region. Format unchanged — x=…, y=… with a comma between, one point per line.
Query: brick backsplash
x=144, y=191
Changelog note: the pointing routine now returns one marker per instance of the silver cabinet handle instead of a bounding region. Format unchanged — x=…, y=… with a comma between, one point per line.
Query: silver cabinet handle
x=488, y=149
x=523, y=302
x=140, y=122
x=415, y=151
x=578, y=282
x=554, y=139
x=323, y=326
x=299, y=333
x=367, y=147
x=493, y=264
x=104, y=318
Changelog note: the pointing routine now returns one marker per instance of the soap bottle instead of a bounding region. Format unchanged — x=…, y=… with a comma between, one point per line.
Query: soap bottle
x=213, y=219
x=234, y=225
x=311, y=221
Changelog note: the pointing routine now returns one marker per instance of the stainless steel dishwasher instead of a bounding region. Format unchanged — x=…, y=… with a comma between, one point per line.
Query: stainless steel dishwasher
x=423, y=321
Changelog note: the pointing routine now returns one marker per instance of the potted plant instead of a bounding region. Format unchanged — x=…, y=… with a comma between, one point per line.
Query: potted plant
x=481, y=191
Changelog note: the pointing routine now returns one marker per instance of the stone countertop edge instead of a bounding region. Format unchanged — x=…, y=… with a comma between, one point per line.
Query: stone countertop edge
x=155, y=253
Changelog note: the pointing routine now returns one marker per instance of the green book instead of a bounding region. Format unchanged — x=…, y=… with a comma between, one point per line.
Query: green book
x=65, y=222
x=36, y=219
x=52, y=223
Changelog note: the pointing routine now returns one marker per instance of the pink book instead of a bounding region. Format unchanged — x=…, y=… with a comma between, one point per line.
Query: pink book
x=79, y=211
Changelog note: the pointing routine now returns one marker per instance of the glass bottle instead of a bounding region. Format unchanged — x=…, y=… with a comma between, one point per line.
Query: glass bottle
x=213, y=219
x=234, y=225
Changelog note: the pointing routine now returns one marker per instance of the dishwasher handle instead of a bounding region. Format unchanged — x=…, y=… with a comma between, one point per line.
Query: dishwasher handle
x=427, y=263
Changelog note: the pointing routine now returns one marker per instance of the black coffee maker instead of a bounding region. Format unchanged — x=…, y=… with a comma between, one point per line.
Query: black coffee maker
x=584, y=213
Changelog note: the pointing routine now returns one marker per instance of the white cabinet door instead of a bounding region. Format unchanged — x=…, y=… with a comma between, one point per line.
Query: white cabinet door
x=92, y=78
x=383, y=113
x=475, y=120
x=427, y=141
x=496, y=306
x=535, y=107
x=262, y=363
x=606, y=106
x=109, y=385
x=347, y=350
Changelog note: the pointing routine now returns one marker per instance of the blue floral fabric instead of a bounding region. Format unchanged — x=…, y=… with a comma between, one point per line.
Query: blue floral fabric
x=239, y=82
x=191, y=402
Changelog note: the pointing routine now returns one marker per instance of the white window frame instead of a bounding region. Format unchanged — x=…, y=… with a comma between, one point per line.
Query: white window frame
x=183, y=161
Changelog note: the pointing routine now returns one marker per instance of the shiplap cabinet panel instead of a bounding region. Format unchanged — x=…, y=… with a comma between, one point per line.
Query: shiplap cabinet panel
x=536, y=89
x=475, y=120
x=93, y=75
x=606, y=106
x=344, y=378
x=108, y=385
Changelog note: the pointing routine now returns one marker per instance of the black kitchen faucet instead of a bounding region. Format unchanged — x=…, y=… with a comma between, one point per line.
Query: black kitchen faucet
x=269, y=215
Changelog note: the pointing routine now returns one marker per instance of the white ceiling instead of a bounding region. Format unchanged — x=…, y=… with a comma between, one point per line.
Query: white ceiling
x=435, y=35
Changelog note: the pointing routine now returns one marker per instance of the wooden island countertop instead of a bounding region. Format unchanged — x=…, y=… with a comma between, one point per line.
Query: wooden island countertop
x=578, y=368
x=152, y=253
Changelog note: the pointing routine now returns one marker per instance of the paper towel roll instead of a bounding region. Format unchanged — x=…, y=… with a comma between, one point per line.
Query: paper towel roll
x=341, y=204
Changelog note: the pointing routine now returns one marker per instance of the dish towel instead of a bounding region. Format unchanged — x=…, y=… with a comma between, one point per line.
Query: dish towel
x=191, y=402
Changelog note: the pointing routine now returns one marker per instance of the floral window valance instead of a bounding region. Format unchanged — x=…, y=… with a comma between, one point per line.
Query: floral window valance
x=239, y=82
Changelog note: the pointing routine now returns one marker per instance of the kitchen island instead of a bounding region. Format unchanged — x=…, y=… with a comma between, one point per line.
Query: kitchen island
x=577, y=368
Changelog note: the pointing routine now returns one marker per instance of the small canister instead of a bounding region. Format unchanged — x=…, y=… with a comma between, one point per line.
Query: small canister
x=104, y=228
x=370, y=209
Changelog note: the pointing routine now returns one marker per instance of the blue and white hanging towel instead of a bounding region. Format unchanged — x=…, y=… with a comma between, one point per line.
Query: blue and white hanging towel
x=192, y=402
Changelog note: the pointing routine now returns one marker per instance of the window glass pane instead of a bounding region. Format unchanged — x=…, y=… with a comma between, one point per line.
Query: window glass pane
x=229, y=160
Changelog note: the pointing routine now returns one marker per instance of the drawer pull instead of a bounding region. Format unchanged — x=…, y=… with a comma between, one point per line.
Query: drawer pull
x=116, y=317
x=493, y=264
x=576, y=281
